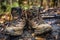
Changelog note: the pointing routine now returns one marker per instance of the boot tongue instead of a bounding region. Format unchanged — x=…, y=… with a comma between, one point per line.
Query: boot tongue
x=16, y=12
x=34, y=15
x=37, y=20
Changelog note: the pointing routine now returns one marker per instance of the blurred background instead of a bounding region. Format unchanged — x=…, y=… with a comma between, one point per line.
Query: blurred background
x=6, y=5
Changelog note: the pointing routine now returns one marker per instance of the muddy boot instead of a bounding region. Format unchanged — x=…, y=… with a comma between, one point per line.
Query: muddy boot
x=36, y=22
x=16, y=26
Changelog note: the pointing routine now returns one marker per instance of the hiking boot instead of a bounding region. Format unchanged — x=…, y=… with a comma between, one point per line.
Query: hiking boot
x=15, y=27
x=37, y=23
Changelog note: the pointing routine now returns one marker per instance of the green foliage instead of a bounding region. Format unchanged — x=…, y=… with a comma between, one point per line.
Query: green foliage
x=15, y=4
x=8, y=8
x=4, y=3
x=25, y=7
